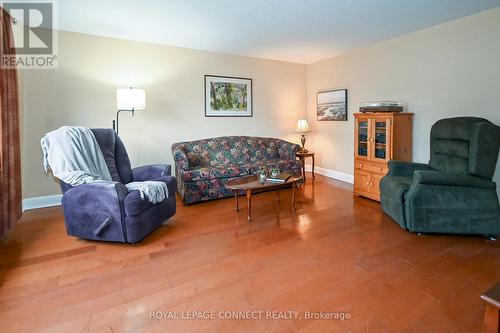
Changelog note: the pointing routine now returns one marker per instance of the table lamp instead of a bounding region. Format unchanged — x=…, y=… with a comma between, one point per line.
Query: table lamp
x=302, y=128
x=129, y=99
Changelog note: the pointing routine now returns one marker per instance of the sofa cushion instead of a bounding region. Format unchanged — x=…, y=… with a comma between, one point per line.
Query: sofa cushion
x=135, y=205
x=238, y=170
x=290, y=166
x=215, y=172
x=229, y=150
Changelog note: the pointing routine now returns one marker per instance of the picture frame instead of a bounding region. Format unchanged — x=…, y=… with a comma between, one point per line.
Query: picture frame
x=228, y=96
x=331, y=105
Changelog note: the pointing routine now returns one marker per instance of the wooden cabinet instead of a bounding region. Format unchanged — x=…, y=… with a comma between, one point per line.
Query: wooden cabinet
x=362, y=181
x=379, y=138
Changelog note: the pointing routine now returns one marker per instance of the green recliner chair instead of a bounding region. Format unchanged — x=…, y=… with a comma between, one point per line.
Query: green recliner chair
x=454, y=193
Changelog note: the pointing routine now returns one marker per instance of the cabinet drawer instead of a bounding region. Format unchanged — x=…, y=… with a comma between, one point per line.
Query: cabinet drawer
x=370, y=166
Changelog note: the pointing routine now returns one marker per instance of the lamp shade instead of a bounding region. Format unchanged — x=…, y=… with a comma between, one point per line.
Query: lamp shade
x=302, y=126
x=130, y=99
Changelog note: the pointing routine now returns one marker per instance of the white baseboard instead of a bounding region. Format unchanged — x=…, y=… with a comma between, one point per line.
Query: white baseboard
x=42, y=202
x=345, y=177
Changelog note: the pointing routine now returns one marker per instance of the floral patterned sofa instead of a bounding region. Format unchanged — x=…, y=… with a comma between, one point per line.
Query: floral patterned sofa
x=202, y=167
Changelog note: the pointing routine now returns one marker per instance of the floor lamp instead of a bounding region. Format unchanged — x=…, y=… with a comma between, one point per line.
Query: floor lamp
x=129, y=99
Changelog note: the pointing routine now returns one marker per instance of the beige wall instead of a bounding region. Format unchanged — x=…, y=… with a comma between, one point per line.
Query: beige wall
x=82, y=92
x=445, y=71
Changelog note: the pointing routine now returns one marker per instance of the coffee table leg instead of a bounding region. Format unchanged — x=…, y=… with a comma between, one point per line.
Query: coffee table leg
x=277, y=199
x=237, y=203
x=293, y=197
x=249, y=199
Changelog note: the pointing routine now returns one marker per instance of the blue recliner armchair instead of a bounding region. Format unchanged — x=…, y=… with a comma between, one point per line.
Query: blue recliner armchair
x=107, y=211
x=454, y=193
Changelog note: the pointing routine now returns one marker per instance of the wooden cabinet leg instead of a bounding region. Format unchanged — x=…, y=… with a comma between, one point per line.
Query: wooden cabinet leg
x=249, y=200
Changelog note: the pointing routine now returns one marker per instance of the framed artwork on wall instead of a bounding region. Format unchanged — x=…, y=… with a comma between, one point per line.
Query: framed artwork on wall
x=331, y=105
x=227, y=96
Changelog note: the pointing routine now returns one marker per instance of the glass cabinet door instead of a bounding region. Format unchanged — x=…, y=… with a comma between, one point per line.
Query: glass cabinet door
x=362, y=132
x=381, y=139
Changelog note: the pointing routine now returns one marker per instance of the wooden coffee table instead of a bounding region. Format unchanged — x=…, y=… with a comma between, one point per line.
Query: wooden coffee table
x=251, y=185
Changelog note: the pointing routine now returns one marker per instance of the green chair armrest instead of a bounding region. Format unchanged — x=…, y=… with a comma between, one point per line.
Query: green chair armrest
x=446, y=179
x=405, y=169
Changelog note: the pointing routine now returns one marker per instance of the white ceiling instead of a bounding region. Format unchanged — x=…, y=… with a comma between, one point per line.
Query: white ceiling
x=301, y=31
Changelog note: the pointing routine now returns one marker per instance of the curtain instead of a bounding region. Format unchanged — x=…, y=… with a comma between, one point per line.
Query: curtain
x=10, y=150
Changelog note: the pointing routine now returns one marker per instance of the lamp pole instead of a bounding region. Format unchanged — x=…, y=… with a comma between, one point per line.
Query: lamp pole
x=129, y=100
x=117, y=118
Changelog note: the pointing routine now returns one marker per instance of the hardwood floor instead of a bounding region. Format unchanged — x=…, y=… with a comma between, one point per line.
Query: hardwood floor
x=338, y=253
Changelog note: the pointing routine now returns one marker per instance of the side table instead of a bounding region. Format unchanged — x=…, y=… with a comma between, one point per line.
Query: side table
x=302, y=158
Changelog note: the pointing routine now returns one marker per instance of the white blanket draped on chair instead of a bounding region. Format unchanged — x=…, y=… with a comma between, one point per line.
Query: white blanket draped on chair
x=74, y=156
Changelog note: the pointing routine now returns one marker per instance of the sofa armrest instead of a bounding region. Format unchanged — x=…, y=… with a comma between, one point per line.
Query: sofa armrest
x=444, y=179
x=94, y=210
x=149, y=172
x=405, y=169
x=287, y=150
x=171, y=183
x=96, y=193
x=180, y=157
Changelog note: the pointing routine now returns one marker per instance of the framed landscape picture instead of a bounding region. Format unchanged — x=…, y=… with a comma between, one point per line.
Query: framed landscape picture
x=228, y=96
x=332, y=105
